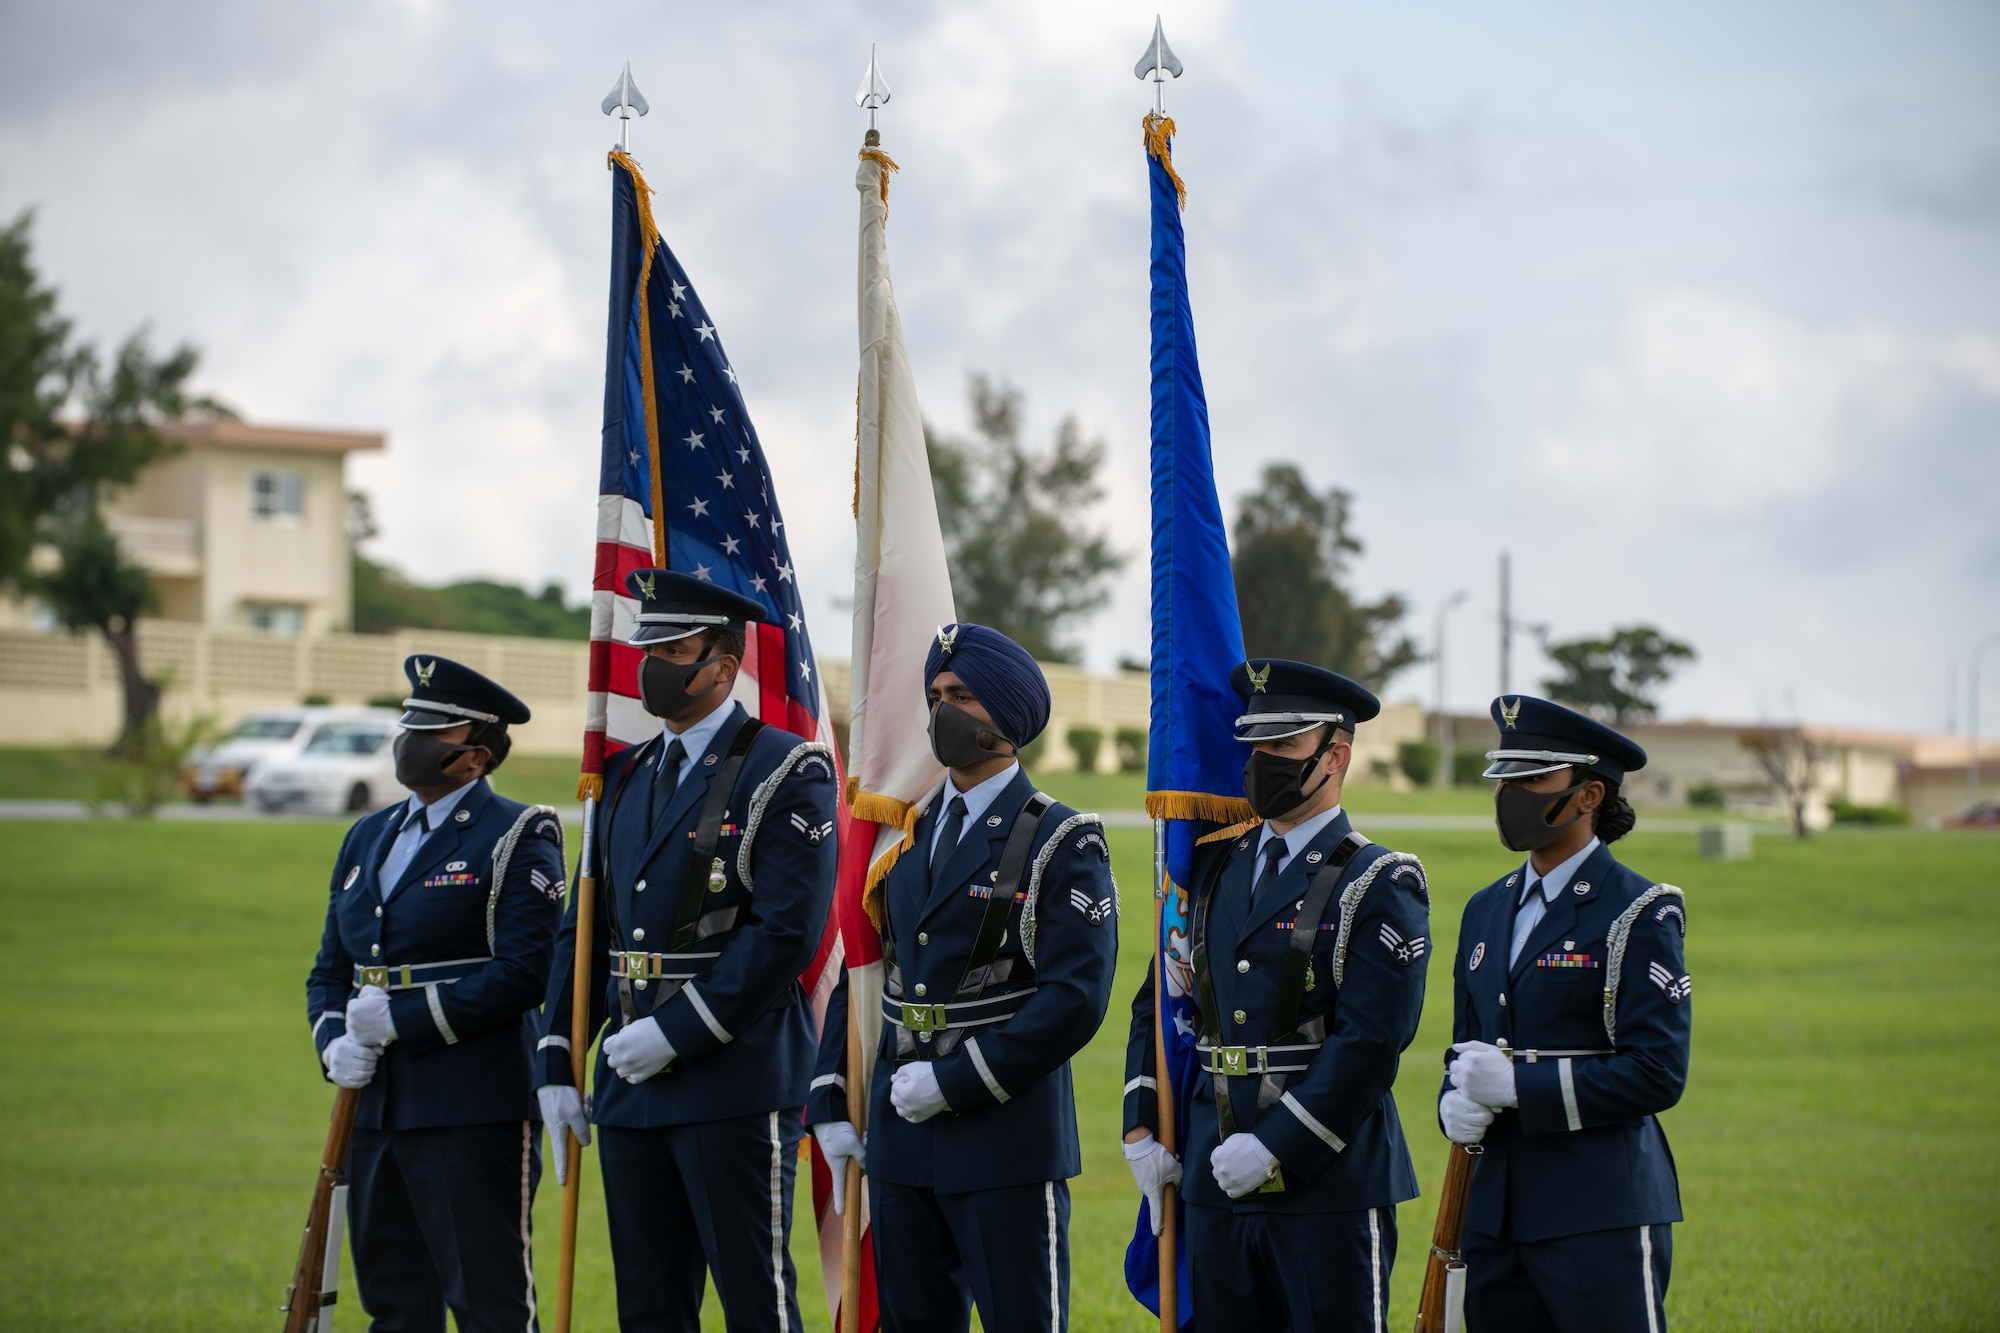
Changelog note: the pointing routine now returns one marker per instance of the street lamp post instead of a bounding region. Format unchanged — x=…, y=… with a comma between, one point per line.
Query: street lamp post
x=1438, y=671
x=1972, y=717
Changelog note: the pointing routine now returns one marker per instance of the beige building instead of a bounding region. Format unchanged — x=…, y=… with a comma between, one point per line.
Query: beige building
x=245, y=527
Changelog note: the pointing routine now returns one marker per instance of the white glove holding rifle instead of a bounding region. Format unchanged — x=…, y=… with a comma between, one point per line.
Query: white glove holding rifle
x=1153, y=1169
x=1464, y=1120
x=564, y=1111
x=349, y=1063
x=1484, y=1073
x=839, y=1144
x=368, y=1019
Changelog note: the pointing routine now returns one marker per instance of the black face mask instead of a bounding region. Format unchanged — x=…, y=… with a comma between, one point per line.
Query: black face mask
x=421, y=757
x=1276, y=785
x=663, y=685
x=1523, y=815
x=955, y=737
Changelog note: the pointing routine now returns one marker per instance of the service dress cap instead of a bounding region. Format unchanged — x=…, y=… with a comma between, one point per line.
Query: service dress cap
x=444, y=693
x=673, y=606
x=1283, y=699
x=1538, y=736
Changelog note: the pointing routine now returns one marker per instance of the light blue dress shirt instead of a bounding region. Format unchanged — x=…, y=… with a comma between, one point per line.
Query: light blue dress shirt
x=1301, y=836
x=417, y=827
x=1530, y=912
x=976, y=801
x=696, y=739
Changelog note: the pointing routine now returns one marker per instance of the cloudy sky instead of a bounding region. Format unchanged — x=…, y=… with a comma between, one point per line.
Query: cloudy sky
x=1694, y=309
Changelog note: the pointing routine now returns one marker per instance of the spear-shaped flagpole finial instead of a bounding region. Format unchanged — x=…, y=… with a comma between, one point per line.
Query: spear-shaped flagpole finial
x=1158, y=62
x=873, y=95
x=625, y=100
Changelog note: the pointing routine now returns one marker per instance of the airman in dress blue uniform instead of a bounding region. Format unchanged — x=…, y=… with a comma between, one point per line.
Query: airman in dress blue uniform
x=716, y=850
x=1570, y=1024
x=1000, y=934
x=1309, y=948
x=434, y=958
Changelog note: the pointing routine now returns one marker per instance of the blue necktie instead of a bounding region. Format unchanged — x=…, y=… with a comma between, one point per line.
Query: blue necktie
x=1274, y=852
x=947, y=840
x=667, y=779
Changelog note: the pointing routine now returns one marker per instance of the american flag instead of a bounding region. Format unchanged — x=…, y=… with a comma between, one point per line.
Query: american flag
x=683, y=485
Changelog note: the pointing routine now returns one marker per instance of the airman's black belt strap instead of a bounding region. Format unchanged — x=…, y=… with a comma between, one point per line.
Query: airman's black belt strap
x=702, y=866
x=1006, y=883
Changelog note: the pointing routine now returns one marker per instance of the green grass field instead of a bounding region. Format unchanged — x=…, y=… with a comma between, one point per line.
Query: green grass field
x=1837, y=1146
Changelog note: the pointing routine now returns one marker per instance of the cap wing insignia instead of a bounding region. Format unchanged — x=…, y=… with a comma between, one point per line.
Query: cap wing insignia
x=1259, y=680
x=645, y=582
x=424, y=670
x=1510, y=713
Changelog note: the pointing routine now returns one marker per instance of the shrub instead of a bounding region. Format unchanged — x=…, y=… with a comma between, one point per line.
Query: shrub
x=1848, y=812
x=1706, y=796
x=1380, y=770
x=1036, y=750
x=1418, y=760
x=316, y=701
x=1466, y=766
x=1131, y=743
x=1085, y=743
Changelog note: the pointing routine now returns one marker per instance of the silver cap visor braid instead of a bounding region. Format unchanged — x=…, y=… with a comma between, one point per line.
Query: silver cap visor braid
x=1532, y=763
x=1297, y=722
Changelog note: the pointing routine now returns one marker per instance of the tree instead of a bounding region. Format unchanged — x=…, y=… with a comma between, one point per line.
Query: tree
x=1616, y=678
x=386, y=601
x=72, y=432
x=1022, y=559
x=1790, y=759
x=1290, y=564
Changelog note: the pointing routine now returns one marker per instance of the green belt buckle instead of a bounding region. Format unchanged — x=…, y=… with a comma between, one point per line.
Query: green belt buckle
x=1235, y=1061
x=1275, y=1185
x=924, y=1018
x=375, y=976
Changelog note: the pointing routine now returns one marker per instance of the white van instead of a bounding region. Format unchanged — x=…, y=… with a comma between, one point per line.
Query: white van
x=225, y=769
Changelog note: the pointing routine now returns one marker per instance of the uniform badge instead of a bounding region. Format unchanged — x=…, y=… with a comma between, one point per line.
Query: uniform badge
x=708, y=761
x=992, y=821
x=1675, y=989
x=947, y=639
x=1671, y=911
x=1313, y=858
x=1404, y=951
x=424, y=670
x=456, y=865
x=1092, y=838
x=1095, y=911
x=1510, y=713
x=1243, y=844
x=1259, y=680
x=645, y=582
x=352, y=875
x=1478, y=956
x=814, y=833
x=1513, y=879
x=1582, y=887
x=1569, y=944
x=1311, y=980
x=552, y=889
x=462, y=816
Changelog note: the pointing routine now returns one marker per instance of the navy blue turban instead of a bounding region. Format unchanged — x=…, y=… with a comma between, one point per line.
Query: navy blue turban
x=999, y=671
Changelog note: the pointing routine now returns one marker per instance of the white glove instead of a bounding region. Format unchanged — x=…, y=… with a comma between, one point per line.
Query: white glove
x=638, y=1051
x=839, y=1144
x=1465, y=1120
x=914, y=1092
x=1153, y=1168
x=368, y=1020
x=1485, y=1074
x=1241, y=1164
x=350, y=1063
x=563, y=1112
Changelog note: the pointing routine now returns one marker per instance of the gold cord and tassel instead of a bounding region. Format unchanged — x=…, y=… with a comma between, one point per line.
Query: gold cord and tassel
x=1159, y=144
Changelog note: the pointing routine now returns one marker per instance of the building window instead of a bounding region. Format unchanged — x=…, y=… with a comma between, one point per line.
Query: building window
x=278, y=497
x=270, y=619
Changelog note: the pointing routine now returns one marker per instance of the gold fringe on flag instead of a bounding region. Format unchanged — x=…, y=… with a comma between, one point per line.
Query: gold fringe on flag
x=1224, y=834
x=650, y=237
x=1197, y=805
x=888, y=165
x=590, y=787
x=1159, y=143
x=879, y=809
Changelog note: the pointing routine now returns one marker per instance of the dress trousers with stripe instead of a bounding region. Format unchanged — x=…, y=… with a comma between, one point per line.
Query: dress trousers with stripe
x=698, y=1160
x=971, y=1207
x=1315, y=1249
x=445, y=1156
x=1568, y=1223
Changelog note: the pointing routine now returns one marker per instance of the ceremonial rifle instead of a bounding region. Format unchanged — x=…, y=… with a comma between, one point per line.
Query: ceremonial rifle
x=1441, y=1307
x=309, y=1296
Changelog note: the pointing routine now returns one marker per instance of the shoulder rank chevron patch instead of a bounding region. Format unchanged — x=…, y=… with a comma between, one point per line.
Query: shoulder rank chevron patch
x=814, y=833
x=1675, y=989
x=1403, y=951
x=1096, y=912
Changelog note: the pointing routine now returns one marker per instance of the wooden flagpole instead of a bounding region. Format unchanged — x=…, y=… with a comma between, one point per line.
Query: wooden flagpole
x=1163, y=1087
x=579, y=1044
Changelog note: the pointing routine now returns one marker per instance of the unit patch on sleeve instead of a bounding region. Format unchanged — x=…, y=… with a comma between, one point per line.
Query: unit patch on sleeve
x=814, y=762
x=1403, y=951
x=1671, y=911
x=814, y=833
x=1096, y=912
x=552, y=889
x=1092, y=838
x=1674, y=989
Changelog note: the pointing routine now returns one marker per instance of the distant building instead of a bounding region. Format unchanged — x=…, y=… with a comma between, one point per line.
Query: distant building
x=243, y=528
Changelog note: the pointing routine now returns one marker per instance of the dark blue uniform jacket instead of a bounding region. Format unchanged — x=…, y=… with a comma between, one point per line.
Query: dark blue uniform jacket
x=464, y=1049
x=1334, y=1129
x=1583, y=1152
x=1013, y=1109
x=742, y=1027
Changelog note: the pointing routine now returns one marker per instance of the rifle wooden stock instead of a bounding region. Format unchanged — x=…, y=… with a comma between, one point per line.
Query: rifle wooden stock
x=1437, y=1308
x=579, y=1051
x=302, y=1306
